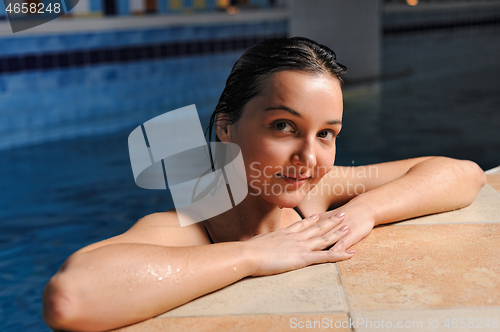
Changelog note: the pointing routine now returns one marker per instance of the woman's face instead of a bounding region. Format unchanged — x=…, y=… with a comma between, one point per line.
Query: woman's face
x=287, y=135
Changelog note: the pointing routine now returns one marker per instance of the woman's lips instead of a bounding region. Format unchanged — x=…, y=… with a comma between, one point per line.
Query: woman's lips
x=293, y=181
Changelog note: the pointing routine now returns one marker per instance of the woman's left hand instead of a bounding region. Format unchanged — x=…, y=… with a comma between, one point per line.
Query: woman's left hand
x=402, y=190
x=359, y=220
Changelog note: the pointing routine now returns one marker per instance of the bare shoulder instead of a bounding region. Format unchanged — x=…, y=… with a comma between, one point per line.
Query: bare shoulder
x=159, y=229
x=164, y=229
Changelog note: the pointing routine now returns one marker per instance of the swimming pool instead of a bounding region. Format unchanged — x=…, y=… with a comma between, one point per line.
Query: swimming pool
x=439, y=96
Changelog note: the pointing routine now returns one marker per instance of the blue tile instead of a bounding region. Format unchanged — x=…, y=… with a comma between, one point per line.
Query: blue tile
x=123, y=7
x=95, y=5
x=122, y=38
x=4, y=46
x=48, y=81
x=48, y=43
x=31, y=79
x=68, y=78
x=259, y=28
x=73, y=41
x=154, y=36
x=162, y=6
x=68, y=41
x=98, y=40
x=3, y=85
x=15, y=83
x=23, y=45
x=111, y=75
x=62, y=78
x=2, y=9
x=248, y=29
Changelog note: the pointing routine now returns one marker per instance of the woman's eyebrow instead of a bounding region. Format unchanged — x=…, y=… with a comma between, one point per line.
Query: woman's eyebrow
x=297, y=114
x=284, y=108
x=334, y=122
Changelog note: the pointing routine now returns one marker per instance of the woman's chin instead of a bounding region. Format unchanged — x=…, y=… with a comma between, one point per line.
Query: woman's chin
x=285, y=201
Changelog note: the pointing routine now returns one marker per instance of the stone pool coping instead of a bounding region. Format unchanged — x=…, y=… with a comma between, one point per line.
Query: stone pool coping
x=441, y=269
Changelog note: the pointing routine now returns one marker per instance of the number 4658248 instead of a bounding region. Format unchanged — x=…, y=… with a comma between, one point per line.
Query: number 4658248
x=33, y=8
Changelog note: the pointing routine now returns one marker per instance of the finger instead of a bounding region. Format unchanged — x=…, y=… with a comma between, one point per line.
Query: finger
x=343, y=243
x=322, y=227
x=303, y=224
x=326, y=240
x=318, y=257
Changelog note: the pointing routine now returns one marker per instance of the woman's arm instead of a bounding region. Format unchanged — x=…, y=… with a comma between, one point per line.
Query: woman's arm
x=121, y=284
x=121, y=281
x=406, y=189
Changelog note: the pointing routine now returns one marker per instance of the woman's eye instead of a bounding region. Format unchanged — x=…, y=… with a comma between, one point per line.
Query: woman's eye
x=326, y=134
x=284, y=127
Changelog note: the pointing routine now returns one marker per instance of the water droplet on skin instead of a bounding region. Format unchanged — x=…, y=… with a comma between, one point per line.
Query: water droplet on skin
x=234, y=269
x=169, y=270
x=178, y=270
x=160, y=278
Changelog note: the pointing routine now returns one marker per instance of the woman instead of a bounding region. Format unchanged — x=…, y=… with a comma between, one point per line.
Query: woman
x=282, y=105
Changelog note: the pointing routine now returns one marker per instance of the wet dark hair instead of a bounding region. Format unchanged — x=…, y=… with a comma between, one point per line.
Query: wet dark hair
x=260, y=62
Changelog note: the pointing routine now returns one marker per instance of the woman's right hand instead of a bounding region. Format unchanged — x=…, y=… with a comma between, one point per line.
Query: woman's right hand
x=299, y=245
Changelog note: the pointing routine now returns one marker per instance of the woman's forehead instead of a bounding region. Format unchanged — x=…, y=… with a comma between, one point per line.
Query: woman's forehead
x=299, y=94
x=301, y=88
x=298, y=80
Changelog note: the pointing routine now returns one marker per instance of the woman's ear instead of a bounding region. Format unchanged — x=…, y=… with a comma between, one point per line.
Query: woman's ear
x=223, y=129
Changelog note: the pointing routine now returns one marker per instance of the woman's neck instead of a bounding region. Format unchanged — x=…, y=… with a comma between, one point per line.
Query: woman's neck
x=251, y=217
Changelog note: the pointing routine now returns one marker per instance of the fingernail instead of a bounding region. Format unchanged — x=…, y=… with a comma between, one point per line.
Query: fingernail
x=315, y=216
x=350, y=252
x=340, y=215
x=343, y=228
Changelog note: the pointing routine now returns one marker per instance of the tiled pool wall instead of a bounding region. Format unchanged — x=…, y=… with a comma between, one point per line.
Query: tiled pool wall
x=65, y=85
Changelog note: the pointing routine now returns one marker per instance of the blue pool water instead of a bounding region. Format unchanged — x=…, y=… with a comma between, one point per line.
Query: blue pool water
x=440, y=96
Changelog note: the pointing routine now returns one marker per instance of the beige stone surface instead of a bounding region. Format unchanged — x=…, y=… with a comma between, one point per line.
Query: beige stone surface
x=494, y=180
x=429, y=320
x=244, y=323
x=425, y=266
x=485, y=208
x=495, y=170
x=312, y=289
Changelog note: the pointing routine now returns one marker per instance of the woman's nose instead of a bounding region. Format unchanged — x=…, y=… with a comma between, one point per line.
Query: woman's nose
x=305, y=155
